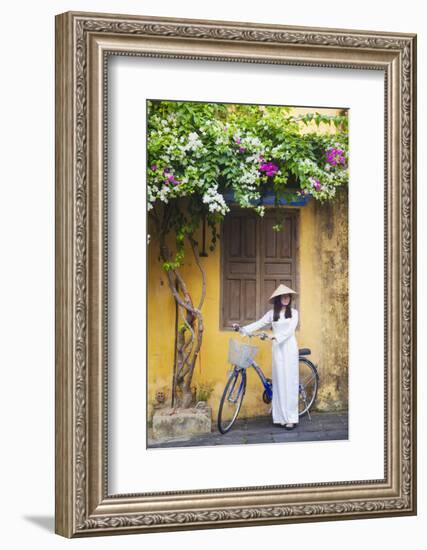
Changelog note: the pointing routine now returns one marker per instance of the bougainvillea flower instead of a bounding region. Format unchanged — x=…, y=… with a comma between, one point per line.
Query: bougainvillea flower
x=242, y=149
x=238, y=140
x=171, y=179
x=154, y=167
x=315, y=182
x=269, y=168
x=335, y=156
x=166, y=171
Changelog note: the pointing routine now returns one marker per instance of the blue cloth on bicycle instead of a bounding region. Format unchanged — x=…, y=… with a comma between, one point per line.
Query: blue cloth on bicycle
x=285, y=372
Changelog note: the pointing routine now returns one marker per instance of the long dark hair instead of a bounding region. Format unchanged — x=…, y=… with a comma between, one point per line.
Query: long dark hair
x=278, y=308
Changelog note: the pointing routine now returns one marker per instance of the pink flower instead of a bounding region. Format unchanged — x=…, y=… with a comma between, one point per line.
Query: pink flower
x=269, y=168
x=315, y=182
x=335, y=156
x=173, y=180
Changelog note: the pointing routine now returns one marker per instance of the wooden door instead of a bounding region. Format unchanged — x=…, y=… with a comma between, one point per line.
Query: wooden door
x=255, y=260
x=278, y=254
x=239, y=293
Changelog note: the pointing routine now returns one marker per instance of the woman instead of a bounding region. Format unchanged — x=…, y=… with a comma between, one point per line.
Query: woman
x=283, y=320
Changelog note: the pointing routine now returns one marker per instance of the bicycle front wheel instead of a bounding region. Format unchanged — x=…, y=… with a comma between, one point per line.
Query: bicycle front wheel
x=231, y=400
x=308, y=385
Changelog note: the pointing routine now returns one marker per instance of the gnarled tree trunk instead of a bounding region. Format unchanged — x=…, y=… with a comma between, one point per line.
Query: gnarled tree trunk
x=190, y=324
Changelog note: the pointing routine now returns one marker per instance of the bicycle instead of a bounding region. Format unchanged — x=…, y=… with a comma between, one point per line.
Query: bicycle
x=242, y=356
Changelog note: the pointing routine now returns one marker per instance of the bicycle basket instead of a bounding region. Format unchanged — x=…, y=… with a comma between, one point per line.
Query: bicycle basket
x=240, y=354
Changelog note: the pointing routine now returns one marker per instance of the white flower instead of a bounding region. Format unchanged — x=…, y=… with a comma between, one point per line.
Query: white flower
x=165, y=190
x=251, y=142
x=193, y=143
x=215, y=201
x=253, y=158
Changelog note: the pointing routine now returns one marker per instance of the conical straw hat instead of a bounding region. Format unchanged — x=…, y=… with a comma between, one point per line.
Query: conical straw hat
x=281, y=289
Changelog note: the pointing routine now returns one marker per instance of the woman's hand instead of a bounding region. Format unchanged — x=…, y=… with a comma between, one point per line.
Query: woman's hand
x=265, y=336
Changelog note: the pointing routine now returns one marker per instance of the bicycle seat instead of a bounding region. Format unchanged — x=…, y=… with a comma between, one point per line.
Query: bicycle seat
x=304, y=351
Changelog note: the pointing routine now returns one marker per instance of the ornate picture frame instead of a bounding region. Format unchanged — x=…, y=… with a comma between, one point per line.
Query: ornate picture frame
x=84, y=42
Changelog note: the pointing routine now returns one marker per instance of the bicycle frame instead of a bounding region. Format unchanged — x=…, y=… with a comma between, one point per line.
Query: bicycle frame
x=264, y=380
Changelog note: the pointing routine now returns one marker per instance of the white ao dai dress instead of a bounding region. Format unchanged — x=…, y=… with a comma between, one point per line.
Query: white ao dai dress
x=285, y=372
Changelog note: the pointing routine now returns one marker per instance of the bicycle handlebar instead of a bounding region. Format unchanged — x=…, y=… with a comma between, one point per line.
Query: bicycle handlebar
x=260, y=335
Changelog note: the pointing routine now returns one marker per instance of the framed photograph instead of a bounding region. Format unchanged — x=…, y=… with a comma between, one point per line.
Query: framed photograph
x=235, y=274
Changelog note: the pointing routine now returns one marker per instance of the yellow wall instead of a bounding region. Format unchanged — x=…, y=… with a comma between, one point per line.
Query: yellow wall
x=323, y=304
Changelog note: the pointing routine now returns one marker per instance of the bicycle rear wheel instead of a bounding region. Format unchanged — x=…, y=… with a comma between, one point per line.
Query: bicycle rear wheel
x=308, y=385
x=231, y=400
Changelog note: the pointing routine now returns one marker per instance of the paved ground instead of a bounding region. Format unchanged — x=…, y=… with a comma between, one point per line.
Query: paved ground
x=323, y=426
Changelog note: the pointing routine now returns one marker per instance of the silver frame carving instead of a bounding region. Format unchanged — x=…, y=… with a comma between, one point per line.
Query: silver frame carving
x=83, y=43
